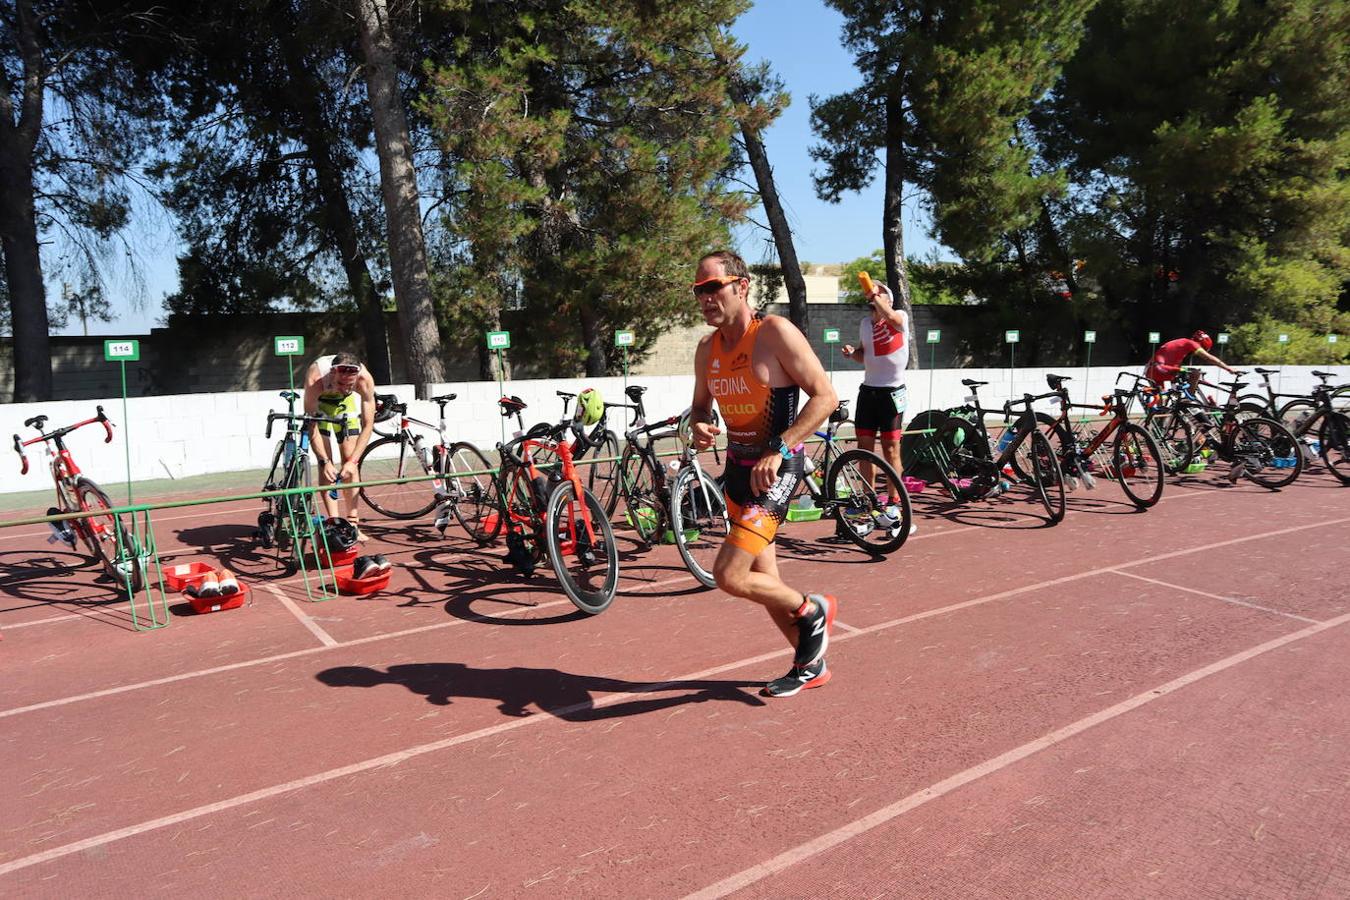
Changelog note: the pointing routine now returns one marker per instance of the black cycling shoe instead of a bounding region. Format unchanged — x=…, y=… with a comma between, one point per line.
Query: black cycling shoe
x=518, y=555
x=267, y=530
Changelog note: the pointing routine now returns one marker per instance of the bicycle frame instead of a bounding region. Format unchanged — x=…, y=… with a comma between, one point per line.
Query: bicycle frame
x=64, y=470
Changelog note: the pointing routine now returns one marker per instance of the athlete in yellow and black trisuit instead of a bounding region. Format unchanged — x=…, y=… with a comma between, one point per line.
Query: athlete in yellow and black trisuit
x=332, y=386
x=755, y=368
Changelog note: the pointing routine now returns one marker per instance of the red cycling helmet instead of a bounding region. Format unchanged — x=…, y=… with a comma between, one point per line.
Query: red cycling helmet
x=1203, y=339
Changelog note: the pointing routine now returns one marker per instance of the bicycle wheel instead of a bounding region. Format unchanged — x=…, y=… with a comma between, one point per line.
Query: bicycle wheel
x=1340, y=399
x=961, y=457
x=877, y=519
x=1137, y=463
x=1062, y=443
x=587, y=569
x=387, y=459
x=473, y=491
x=1297, y=415
x=296, y=510
x=100, y=535
x=646, y=513
x=1267, y=451
x=698, y=513
x=1334, y=436
x=1176, y=439
x=1047, y=479
x=602, y=478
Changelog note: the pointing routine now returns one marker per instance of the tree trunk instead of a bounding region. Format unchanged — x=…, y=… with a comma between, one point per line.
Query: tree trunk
x=18, y=223
x=597, y=359
x=398, y=184
x=23, y=272
x=341, y=224
x=778, y=225
x=892, y=215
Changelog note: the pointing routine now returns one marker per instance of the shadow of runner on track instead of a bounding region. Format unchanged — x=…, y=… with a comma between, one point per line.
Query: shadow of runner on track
x=562, y=694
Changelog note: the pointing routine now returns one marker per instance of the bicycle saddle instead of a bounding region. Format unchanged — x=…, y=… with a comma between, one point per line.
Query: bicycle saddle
x=35, y=422
x=840, y=414
x=972, y=383
x=289, y=396
x=1260, y=371
x=635, y=391
x=1325, y=374
x=511, y=405
x=1056, y=380
x=566, y=394
x=444, y=398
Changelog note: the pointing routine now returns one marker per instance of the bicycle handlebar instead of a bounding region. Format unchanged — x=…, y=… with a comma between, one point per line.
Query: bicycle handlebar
x=305, y=419
x=19, y=443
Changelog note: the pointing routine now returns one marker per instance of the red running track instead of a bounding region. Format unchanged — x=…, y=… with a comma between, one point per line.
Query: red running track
x=1124, y=705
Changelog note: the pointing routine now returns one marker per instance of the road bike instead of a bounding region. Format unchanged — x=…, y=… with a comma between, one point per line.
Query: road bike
x=963, y=455
x=460, y=482
x=1135, y=461
x=679, y=498
x=1318, y=415
x=1258, y=448
x=844, y=486
x=598, y=444
x=289, y=519
x=548, y=512
x=105, y=535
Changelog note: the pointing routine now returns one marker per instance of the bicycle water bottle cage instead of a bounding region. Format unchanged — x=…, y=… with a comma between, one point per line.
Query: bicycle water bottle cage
x=511, y=405
x=35, y=422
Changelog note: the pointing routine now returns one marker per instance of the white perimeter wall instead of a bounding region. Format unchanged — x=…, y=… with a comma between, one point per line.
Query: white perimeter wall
x=199, y=434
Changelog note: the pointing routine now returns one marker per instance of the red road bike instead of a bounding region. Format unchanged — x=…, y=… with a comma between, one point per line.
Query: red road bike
x=109, y=541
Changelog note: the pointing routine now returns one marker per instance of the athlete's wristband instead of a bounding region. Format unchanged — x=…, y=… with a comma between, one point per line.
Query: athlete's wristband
x=781, y=448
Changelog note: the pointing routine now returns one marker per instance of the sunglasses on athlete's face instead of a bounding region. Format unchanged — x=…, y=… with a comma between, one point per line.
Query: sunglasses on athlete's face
x=710, y=286
x=347, y=370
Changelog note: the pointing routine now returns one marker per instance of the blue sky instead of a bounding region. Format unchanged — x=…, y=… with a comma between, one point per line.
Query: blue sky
x=801, y=41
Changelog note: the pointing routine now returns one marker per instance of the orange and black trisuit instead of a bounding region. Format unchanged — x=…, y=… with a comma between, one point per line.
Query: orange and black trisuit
x=755, y=414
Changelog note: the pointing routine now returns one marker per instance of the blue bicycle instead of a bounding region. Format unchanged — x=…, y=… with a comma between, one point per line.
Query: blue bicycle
x=859, y=490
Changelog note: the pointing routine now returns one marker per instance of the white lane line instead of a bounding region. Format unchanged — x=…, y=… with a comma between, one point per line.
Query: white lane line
x=888, y=813
x=1232, y=600
x=868, y=630
x=157, y=521
x=736, y=882
x=324, y=637
x=248, y=663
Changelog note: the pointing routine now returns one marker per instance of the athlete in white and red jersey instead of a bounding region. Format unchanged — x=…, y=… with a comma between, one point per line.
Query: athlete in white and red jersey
x=754, y=368
x=883, y=349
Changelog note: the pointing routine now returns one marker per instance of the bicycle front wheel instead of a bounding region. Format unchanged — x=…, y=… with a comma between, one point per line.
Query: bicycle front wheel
x=642, y=496
x=1267, y=451
x=1047, y=477
x=587, y=563
x=1335, y=439
x=388, y=459
x=961, y=455
x=1176, y=439
x=698, y=513
x=105, y=535
x=1136, y=462
x=875, y=510
x=473, y=491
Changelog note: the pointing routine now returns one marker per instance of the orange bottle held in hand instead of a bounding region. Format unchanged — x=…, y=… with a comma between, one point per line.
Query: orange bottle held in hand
x=866, y=281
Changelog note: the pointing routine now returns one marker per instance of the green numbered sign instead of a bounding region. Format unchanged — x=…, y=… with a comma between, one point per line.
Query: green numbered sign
x=1012, y=337
x=121, y=350
x=935, y=336
x=1223, y=337
x=623, y=339
x=1154, y=337
x=1283, y=339
x=831, y=335
x=499, y=340
x=1089, y=337
x=1331, y=339
x=288, y=346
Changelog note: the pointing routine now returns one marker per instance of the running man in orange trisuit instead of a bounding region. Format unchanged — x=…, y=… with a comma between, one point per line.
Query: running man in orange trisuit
x=755, y=368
